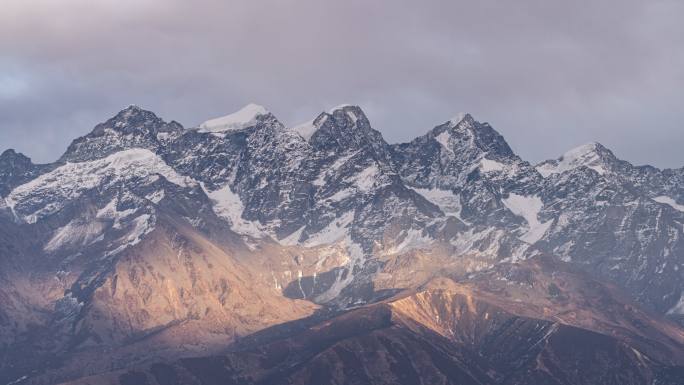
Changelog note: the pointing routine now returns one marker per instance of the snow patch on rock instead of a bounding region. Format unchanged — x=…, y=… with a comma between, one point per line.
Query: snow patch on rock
x=367, y=178
x=140, y=226
x=156, y=197
x=77, y=233
x=292, y=239
x=528, y=207
x=333, y=232
x=473, y=240
x=447, y=201
x=670, y=202
x=111, y=212
x=443, y=139
x=413, y=239
x=229, y=206
x=305, y=130
x=488, y=165
x=340, y=195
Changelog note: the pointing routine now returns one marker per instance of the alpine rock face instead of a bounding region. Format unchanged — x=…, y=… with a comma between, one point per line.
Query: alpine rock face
x=151, y=253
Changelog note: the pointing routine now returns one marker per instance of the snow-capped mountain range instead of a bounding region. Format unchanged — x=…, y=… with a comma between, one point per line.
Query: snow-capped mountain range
x=332, y=204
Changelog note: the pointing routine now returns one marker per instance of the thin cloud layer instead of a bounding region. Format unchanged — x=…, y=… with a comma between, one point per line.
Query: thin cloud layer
x=547, y=75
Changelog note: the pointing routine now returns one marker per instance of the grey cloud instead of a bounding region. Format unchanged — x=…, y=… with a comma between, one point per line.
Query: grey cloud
x=548, y=75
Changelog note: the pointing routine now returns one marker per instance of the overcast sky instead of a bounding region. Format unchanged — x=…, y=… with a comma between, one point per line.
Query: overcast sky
x=548, y=75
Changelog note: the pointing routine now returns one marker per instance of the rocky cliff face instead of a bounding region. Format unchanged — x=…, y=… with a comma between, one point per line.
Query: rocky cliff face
x=146, y=240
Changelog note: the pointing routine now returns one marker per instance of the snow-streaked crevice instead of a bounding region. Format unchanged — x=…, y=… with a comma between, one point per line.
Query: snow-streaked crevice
x=486, y=242
x=678, y=308
x=111, y=212
x=138, y=228
x=77, y=233
x=334, y=167
x=292, y=239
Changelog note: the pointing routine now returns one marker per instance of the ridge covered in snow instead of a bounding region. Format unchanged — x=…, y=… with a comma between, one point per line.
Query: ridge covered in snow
x=587, y=155
x=49, y=192
x=245, y=117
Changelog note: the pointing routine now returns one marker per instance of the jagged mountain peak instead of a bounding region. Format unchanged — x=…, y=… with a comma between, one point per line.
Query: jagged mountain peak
x=134, y=120
x=132, y=127
x=343, y=127
x=587, y=148
x=130, y=119
x=460, y=117
x=245, y=117
x=10, y=153
x=344, y=116
x=592, y=155
x=347, y=112
x=307, y=129
x=11, y=160
x=132, y=109
x=342, y=107
x=464, y=132
x=15, y=168
x=455, y=153
x=351, y=117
